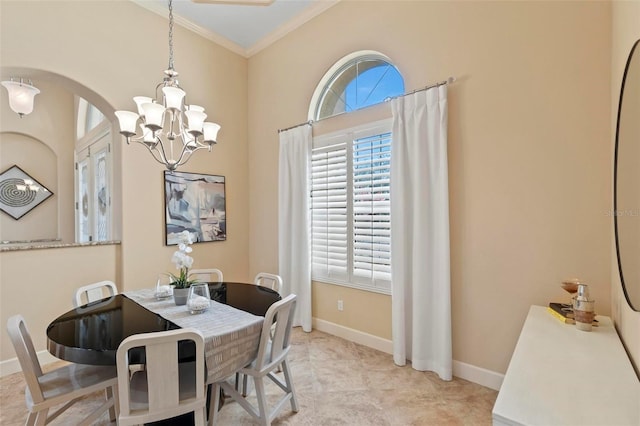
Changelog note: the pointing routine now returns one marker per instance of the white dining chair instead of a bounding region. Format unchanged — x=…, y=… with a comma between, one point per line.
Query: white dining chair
x=92, y=292
x=65, y=385
x=163, y=388
x=272, y=353
x=272, y=281
x=206, y=275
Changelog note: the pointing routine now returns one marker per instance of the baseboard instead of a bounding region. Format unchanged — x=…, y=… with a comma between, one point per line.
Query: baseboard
x=355, y=336
x=12, y=365
x=469, y=372
x=479, y=375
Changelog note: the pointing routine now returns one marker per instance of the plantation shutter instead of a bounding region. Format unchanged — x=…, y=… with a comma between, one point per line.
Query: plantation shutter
x=351, y=230
x=371, y=210
x=329, y=211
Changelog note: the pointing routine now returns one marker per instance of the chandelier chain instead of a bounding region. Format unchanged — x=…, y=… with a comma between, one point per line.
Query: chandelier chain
x=170, y=34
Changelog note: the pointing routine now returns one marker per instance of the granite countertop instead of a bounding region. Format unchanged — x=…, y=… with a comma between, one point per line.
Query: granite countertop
x=37, y=245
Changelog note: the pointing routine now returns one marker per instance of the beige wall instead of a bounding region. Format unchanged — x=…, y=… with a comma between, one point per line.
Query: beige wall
x=119, y=50
x=626, y=30
x=40, y=284
x=529, y=133
x=41, y=144
x=529, y=127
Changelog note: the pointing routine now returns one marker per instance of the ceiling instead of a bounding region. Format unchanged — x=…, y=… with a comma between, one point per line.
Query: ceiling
x=243, y=28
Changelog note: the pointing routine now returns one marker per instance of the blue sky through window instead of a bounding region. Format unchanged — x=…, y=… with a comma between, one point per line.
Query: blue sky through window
x=373, y=86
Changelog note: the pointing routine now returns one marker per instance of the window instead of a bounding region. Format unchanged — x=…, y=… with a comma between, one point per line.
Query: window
x=350, y=182
x=351, y=232
x=356, y=81
x=88, y=117
x=94, y=117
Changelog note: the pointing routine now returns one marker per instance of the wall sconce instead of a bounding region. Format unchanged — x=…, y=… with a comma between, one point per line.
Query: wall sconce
x=21, y=95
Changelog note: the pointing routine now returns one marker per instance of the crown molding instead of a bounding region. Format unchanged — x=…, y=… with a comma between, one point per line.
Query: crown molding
x=275, y=35
x=201, y=31
x=295, y=22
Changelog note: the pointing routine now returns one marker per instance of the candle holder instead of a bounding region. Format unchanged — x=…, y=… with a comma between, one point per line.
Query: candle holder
x=199, y=299
x=163, y=287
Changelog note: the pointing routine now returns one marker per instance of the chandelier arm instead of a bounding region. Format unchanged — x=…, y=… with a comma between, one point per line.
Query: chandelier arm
x=174, y=116
x=189, y=152
x=184, y=159
x=158, y=154
x=155, y=153
x=184, y=155
x=161, y=152
x=159, y=91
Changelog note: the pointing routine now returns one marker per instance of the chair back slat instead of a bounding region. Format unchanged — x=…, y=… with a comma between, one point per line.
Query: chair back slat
x=207, y=275
x=162, y=375
x=161, y=370
x=26, y=353
x=271, y=281
x=92, y=292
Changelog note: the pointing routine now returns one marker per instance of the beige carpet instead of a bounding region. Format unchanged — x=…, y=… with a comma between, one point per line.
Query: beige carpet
x=338, y=383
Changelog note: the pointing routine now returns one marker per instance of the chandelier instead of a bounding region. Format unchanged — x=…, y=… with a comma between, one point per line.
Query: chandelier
x=170, y=129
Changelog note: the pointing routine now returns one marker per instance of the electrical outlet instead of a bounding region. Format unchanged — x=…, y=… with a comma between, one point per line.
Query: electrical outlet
x=340, y=305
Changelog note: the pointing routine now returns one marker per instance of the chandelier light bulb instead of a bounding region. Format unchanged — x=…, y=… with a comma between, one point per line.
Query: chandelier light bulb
x=173, y=97
x=127, y=120
x=153, y=115
x=210, y=132
x=148, y=137
x=139, y=100
x=190, y=142
x=196, y=120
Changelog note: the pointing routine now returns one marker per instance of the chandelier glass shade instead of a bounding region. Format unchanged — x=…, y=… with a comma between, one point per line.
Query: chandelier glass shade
x=166, y=125
x=21, y=96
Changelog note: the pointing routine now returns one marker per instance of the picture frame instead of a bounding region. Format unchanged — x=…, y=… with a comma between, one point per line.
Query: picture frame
x=195, y=202
x=20, y=192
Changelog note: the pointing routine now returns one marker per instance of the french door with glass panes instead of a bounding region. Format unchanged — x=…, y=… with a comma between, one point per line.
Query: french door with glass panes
x=93, y=190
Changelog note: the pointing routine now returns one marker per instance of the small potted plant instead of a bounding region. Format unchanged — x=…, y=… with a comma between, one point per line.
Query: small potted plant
x=183, y=262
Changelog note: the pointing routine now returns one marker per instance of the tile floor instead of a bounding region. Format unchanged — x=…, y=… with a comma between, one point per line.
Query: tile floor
x=338, y=383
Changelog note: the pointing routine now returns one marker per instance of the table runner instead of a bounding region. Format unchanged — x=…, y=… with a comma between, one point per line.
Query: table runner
x=231, y=336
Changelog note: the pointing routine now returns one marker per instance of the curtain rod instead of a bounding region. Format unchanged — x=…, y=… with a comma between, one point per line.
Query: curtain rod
x=440, y=83
x=310, y=122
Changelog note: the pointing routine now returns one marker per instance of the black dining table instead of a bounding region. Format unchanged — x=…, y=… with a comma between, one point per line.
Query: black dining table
x=91, y=334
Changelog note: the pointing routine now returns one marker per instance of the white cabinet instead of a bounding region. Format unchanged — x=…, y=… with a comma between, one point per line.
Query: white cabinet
x=559, y=375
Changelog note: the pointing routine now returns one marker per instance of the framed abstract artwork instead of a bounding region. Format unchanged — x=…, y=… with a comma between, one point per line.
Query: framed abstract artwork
x=194, y=202
x=20, y=193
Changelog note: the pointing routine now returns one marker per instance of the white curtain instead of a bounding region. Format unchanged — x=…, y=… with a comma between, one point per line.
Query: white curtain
x=421, y=295
x=294, y=240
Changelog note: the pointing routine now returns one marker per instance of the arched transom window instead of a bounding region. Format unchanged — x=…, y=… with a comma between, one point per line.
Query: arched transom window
x=356, y=81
